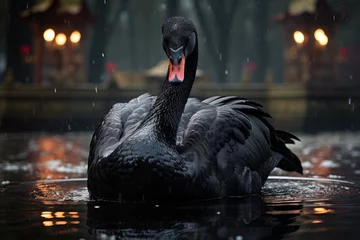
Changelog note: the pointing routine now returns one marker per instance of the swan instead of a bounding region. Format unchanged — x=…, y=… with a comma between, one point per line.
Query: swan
x=175, y=148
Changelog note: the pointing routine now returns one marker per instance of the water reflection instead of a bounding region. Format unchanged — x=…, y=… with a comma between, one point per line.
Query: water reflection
x=246, y=218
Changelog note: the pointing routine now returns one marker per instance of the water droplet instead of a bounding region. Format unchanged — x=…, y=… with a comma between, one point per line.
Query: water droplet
x=349, y=101
x=69, y=127
x=156, y=205
x=220, y=56
x=218, y=213
x=96, y=90
x=102, y=54
x=226, y=72
x=54, y=90
x=239, y=238
x=93, y=104
x=105, y=2
x=93, y=61
x=351, y=76
x=96, y=206
x=247, y=59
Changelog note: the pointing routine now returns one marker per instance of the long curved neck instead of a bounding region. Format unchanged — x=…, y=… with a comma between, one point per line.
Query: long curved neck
x=165, y=115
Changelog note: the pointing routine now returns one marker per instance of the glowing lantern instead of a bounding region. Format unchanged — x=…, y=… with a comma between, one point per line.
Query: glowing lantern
x=75, y=37
x=299, y=37
x=49, y=35
x=60, y=39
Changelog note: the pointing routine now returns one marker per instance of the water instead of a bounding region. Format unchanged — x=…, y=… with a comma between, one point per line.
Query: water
x=324, y=204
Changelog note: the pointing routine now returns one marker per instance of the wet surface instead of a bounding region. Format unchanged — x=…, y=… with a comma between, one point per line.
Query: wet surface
x=324, y=203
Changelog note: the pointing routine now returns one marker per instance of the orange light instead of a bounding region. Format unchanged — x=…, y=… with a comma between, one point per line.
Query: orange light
x=75, y=37
x=49, y=35
x=60, y=39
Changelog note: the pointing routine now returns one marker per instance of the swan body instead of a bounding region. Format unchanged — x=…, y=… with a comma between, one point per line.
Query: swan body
x=172, y=147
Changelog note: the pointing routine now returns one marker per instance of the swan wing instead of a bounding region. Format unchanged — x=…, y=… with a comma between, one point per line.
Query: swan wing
x=120, y=122
x=228, y=135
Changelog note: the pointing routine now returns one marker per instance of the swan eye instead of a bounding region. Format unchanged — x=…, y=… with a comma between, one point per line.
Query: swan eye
x=191, y=44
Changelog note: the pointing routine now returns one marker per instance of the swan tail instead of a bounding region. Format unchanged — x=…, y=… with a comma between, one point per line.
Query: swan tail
x=289, y=162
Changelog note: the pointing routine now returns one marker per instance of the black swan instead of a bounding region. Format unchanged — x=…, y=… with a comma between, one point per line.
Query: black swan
x=176, y=148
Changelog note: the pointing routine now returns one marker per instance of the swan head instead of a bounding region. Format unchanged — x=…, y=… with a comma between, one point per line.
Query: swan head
x=179, y=40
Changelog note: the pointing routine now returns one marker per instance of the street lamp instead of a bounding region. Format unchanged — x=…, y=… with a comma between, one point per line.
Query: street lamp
x=49, y=35
x=75, y=37
x=60, y=39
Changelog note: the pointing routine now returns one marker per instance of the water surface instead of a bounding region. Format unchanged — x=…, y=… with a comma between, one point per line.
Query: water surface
x=43, y=196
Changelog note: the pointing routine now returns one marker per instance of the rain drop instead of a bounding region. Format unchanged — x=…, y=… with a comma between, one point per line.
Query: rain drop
x=226, y=72
x=96, y=89
x=239, y=238
x=93, y=104
x=102, y=54
x=220, y=56
x=96, y=206
x=247, y=59
x=349, y=101
x=54, y=90
x=156, y=205
x=104, y=1
x=93, y=61
x=218, y=213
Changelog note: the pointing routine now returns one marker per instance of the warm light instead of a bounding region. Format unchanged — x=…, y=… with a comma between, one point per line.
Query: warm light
x=73, y=213
x=48, y=223
x=75, y=222
x=59, y=215
x=49, y=35
x=317, y=221
x=60, y=39
x=299, y=37
x=319, y=33
x=61, y=222
x=322, y=210
x=75, y=37
x=74, y=216
x=323, y=40
x=321, y=37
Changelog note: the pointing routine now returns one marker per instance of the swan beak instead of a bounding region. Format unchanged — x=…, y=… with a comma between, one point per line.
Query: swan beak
x=176, y=67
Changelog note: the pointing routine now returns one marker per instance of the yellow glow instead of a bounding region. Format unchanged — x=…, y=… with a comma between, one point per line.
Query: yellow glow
x=317, y=221
x=75, y=222
x=75, y=37
x=59, y=215
x=73, y=213
x=49, y=35
x=299, y=37
x=60, y=39
x=319, y=33
x=321, y=37
x=61, y=222
x=47, y=216
x=74, y=216
x=48, y=223
x=322, y=210
x=323, y=41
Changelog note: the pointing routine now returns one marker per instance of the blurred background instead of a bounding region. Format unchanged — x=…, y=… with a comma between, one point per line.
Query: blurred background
x=63, y=63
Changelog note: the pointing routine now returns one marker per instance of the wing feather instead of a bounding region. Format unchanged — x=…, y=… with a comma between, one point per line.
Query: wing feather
x=121, y=121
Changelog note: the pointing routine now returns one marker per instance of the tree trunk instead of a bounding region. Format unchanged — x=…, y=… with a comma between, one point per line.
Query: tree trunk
x=261, y=46
x=99, y=42
x=19, y=34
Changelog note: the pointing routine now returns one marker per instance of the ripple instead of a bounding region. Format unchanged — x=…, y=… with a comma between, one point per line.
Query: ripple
x=277, y=188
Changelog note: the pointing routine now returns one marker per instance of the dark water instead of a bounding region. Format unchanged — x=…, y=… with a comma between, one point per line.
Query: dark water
x=43, y=195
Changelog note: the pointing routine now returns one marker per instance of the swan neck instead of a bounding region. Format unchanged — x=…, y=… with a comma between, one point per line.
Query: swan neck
x=167, y=110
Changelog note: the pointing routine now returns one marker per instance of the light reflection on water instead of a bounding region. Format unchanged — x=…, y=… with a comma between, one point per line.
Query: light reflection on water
x=290, y=207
